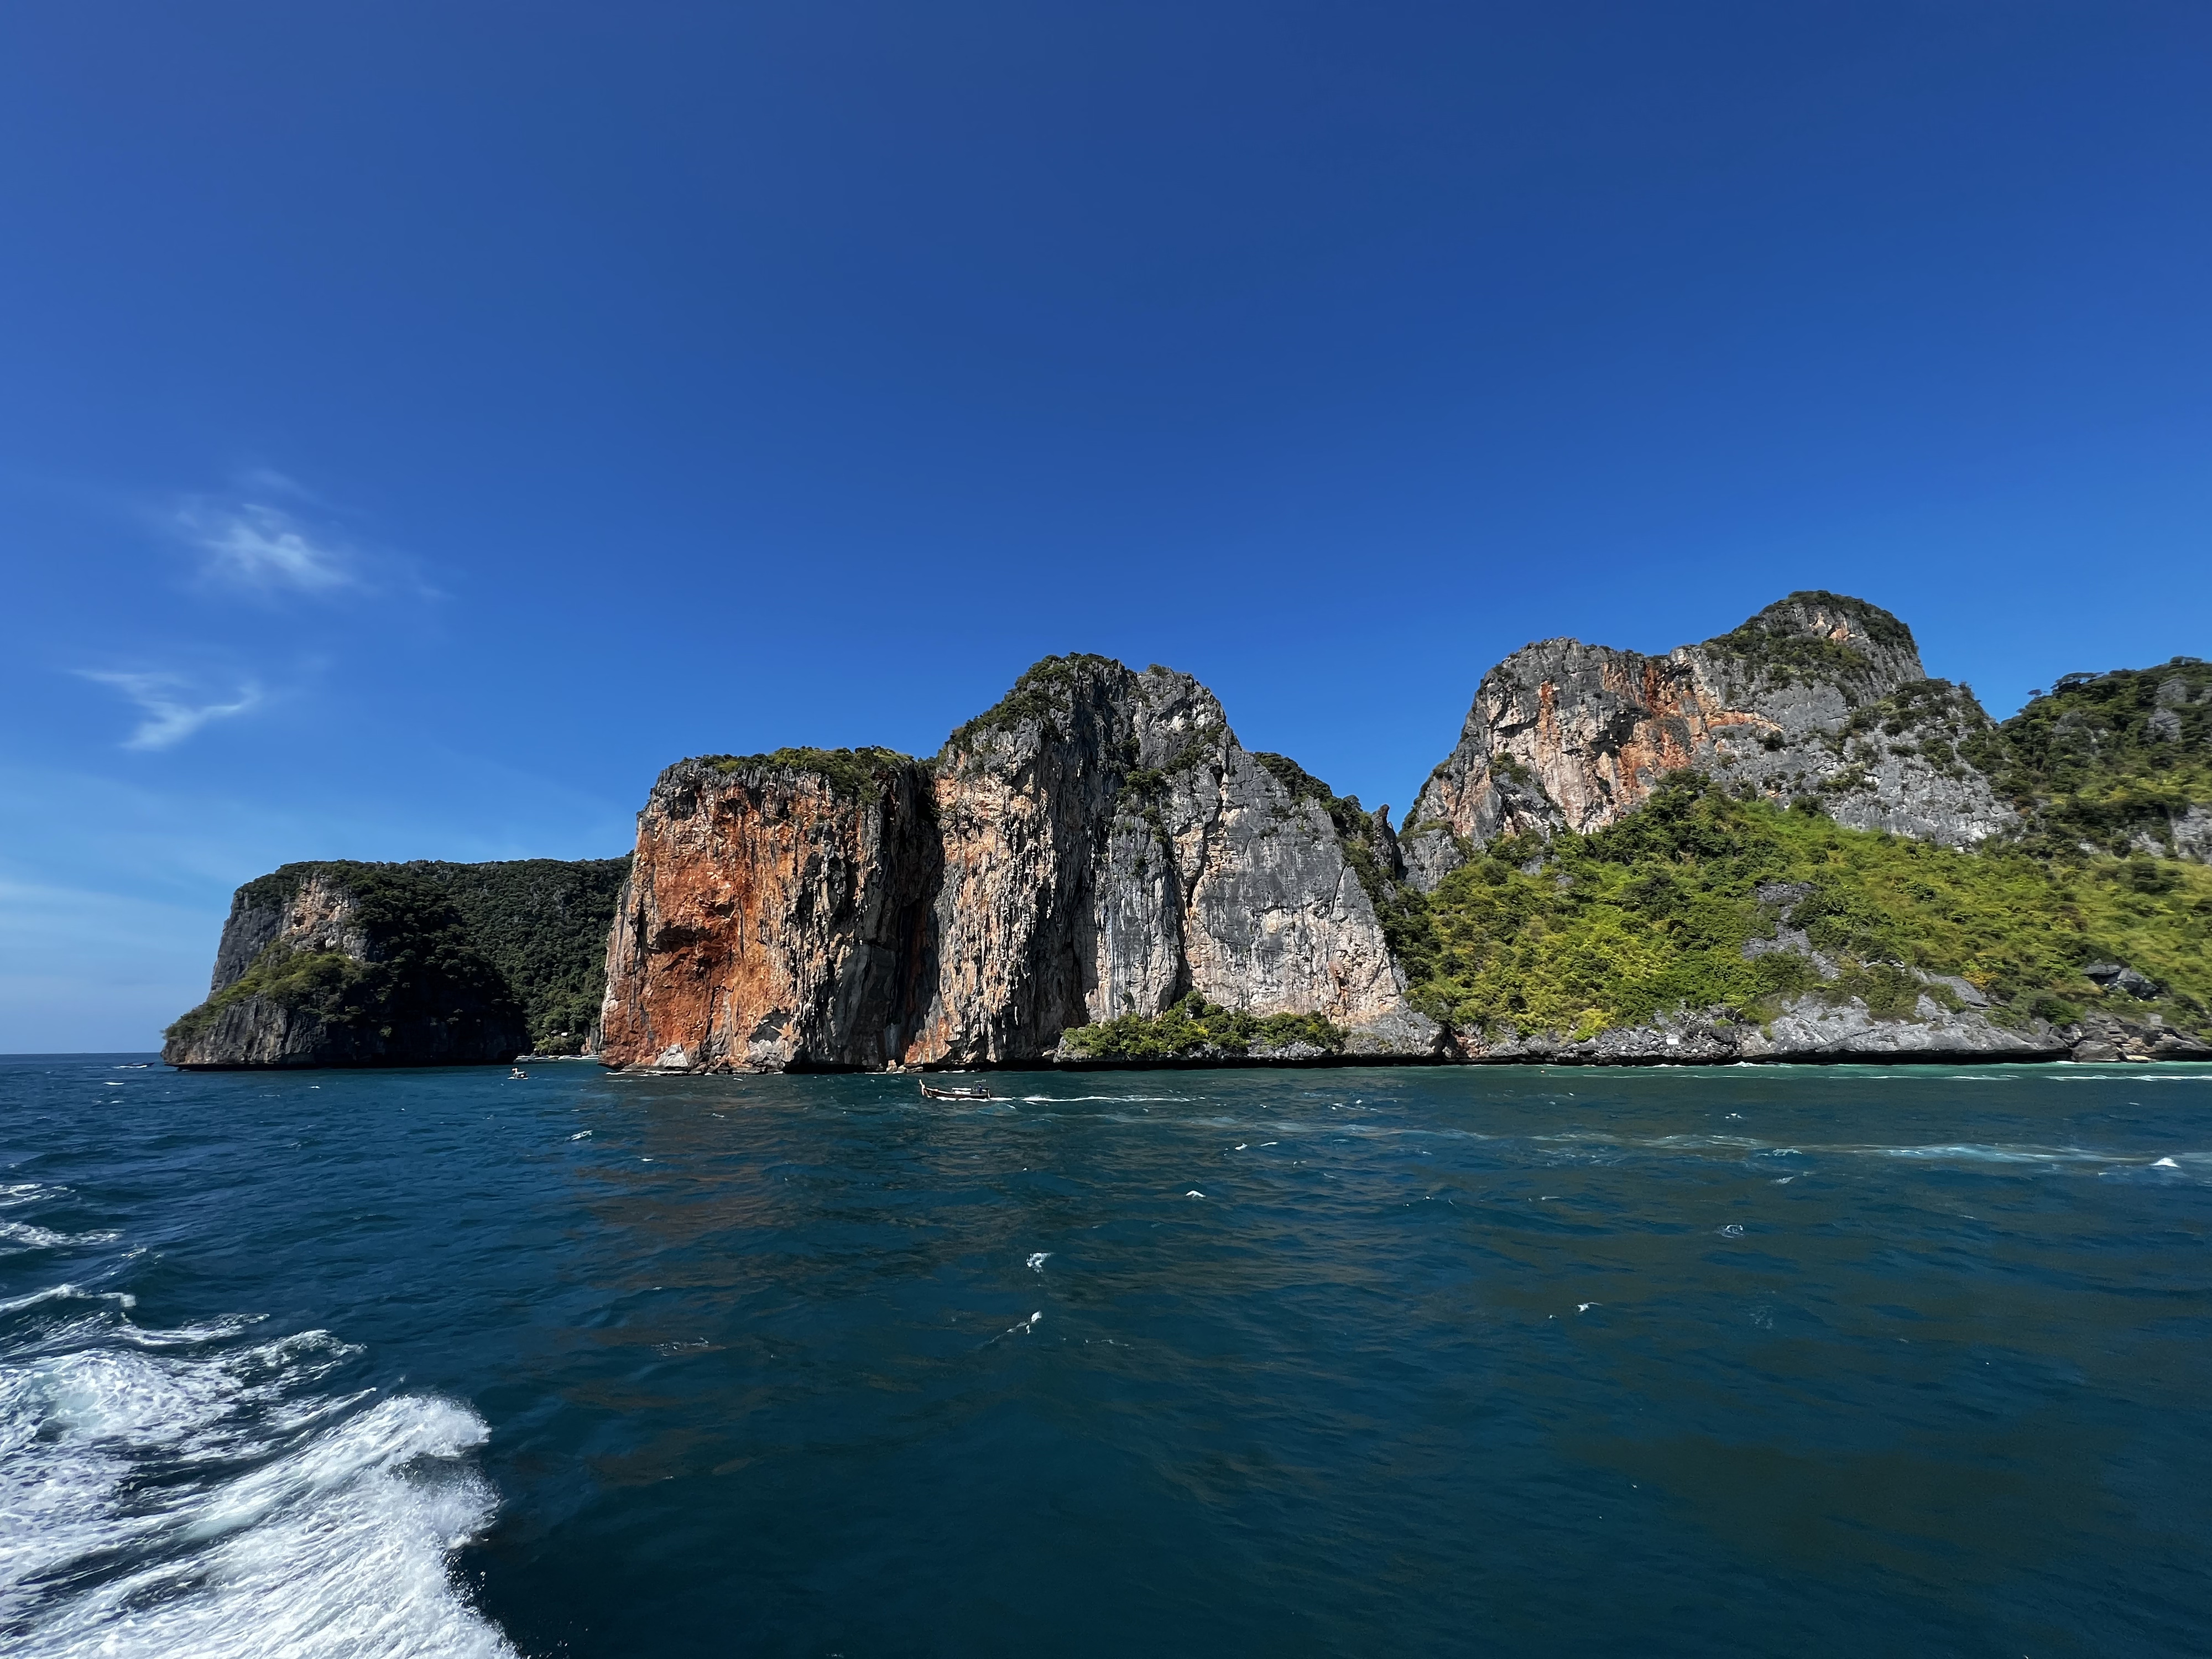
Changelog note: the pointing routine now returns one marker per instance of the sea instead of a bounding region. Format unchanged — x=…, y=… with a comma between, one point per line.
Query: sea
x=1488, y=1361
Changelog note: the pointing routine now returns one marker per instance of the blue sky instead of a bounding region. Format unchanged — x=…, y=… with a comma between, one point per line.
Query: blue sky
x=421, y=423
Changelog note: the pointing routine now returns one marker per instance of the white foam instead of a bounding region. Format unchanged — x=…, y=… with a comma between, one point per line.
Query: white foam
x=286, y=1521
x=1063, y=1100
x=1969, y=1154
x=25, y=1237
x=2049, y=1159
x=67, y=1293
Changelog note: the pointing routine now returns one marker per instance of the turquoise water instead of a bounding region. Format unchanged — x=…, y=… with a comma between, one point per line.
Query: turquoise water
x=1335, y=1362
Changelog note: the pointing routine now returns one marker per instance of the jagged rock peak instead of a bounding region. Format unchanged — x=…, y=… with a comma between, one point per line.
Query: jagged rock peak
x=1157, y=721
x=1817, y=695
x=1814, y=637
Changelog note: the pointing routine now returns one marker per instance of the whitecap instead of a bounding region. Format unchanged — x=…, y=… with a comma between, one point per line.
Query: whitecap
x=65, y=1293
x=25, y=1237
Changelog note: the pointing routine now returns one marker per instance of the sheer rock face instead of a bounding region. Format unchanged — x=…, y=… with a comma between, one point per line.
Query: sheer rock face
x=1097, y=844
x=774, y=918
x=1817, y=695
x=318, y=915
x=253, y=1032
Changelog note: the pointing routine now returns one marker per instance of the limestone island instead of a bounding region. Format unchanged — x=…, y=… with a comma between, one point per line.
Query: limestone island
x=1787, y=843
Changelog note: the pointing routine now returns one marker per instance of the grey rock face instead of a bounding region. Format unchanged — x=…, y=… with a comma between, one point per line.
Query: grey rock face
x=1818, y=695
x=1813, y=1028
x=1109, y=847
x=2117, y=976
x=2188, y=836
x=1806, y=1028
x=257, y=918
x=2108, y=1035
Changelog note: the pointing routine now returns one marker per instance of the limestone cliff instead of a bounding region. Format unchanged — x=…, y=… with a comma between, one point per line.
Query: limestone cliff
x=345, y=963
x=342, y=965
x=1097, y=844
x=1095, y=871
x=1110, y=848
x=776, y=917
x=1818, y=695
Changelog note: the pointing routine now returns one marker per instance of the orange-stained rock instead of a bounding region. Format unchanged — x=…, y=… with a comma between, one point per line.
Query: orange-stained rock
x=1818, y=695
x=775, y=915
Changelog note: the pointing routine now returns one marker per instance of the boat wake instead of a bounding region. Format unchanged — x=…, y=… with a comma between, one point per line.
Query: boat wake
x=1962, y=1155
x=193, y=1492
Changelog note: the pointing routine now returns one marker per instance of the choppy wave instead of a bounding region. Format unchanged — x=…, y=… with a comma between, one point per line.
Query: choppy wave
x=187, y=1494
x=23, y=1236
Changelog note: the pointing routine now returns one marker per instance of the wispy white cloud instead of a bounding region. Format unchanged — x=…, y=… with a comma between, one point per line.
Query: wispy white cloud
x=170, y=717
x=264, y=481
x=251, y=544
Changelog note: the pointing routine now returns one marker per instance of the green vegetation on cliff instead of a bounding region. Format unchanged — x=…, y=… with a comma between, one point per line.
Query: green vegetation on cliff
x=323, y=982
x=2111, y=760
x=1654, y=913
x=542, y=923
x=1194, y=1029
x=1773, y=647
x=847, y=772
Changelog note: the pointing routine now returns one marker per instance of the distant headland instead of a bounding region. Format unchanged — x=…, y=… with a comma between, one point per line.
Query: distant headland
x=1787, y=843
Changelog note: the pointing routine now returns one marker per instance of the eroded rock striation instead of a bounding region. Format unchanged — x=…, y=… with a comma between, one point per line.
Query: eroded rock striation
x=1818, y=695
x=1096, y=845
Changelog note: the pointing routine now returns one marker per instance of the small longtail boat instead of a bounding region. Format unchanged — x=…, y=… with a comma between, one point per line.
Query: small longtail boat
x=929, y=1092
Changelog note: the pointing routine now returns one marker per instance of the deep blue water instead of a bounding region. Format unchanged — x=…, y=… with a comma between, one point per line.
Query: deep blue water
x=1508, y=1361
